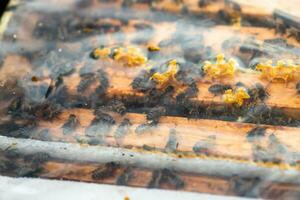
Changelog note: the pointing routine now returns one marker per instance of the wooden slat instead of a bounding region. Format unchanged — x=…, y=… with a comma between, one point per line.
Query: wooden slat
x=121, y=77
x=141, y=178
x=120, y=85
x=231, y=141
x=193, y=182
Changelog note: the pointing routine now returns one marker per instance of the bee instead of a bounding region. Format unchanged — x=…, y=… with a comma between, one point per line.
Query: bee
x=148, y=148
x=254, y=62
x=15, y=106
x=93, y=129
x=27, y=170
x=275, y=152
x=256, y=133
x=86, y=81
x=125, y=177
x=294, y=31
x=108, y=27
x=117, y=106
x=155, y=180
x=103, y=79
x=43, y=135
x=204, y=146
x=106, y=171
x=184, y=10
x=172, y=143
x=181, y=97
x=23, y=132
x=97, y=130
x=84, y=3
x=258, y=92
x=244, y=186
x=278, y=117
x=96, y=140
x=275, y=144
x=88, y=68
x=286, y=23
x=37, y=158
x=159, y=97
x=257, y=113
x=172, y=178
x=123, y=129
x=101, y=116
x=49, y=90
x=11, y=152
x=155, y=113
x=80, y=101
x=50, y=110
x=240, y=84
x=70, y=125
x=100, y=125
x=127, y=3
x=298, y=88
x=31, y=166
x=182, y=75
x=7, y=165
x=204, y=3
x=191, y=109
x=54, y=85
x=192, y=90
x=45, y=110
x=219, y=89
x=143, y=82
x=261, y=153
x=144, y=128
x=249, y=48
x=104, y=84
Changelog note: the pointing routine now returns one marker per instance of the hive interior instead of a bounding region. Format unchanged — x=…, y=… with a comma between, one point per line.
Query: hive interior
x=130, y=76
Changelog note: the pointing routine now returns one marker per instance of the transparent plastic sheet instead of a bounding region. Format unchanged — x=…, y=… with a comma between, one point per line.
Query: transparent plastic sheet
x=67, y=115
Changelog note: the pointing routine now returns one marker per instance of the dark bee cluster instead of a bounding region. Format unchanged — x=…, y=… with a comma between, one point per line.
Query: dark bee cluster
x=124, y=174
x=70, y=26
x=13, y=163
x=287, y=24
x=274, y=151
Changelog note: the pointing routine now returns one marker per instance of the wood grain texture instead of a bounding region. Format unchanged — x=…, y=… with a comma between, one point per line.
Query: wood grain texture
x=193, y=182
x=231, y=137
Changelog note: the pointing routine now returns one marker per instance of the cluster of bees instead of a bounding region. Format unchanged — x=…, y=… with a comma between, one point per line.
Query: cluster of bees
x=133, y=57
x=158, y=176
x=16, y=164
